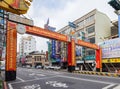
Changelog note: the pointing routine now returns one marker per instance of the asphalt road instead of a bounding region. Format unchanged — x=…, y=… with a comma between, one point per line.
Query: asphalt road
x=49, y=79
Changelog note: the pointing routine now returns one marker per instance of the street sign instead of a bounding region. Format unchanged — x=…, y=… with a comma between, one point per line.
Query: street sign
x=20, y=20
x=71, y=24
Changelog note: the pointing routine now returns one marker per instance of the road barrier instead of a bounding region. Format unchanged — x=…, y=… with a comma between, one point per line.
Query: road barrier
x=98, y=73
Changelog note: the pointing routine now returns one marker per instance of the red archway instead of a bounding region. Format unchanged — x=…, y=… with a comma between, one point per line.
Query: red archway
x=11, y=48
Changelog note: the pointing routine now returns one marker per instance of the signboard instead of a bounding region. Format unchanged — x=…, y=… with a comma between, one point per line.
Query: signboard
x=87, y=44
x=11, y=47
x=111, y=48
x=112, y=60
x=53, y=48
x=46, y=33
x=19, y=19
x=78, y=51
x=71, y=24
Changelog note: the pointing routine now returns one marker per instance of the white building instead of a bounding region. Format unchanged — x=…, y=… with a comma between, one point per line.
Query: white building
x=93, y=27
x=27, y=45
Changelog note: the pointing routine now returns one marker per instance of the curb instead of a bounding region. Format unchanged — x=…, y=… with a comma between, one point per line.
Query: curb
x=98, y=73
x=5, y=85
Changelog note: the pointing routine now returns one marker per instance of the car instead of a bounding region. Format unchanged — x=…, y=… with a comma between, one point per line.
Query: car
x=39, y=67
x=57, y=67
x=2, y=68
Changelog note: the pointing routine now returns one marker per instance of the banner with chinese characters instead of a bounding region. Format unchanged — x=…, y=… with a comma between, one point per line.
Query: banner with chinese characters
x=11, y=47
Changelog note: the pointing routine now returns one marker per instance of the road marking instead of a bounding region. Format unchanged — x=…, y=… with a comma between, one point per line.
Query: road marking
x=57, y=84
x=86, y=80
x=21, y=79
x=34, y=79
x=40, y=74
x=10, y=86
x=118, y=87
x=111, y=85
x=34, y=86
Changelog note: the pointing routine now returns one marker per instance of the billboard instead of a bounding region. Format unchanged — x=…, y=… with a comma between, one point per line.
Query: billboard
x=78, y=51
x=110, y=48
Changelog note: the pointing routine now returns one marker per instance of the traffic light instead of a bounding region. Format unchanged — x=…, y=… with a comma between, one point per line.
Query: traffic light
x=115, y=4
x=15, y=6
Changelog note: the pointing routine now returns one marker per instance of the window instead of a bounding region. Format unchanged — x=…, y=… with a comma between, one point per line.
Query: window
x=91, y=52
x=92, y=40
x=91, y=29
x=81, y=23
x=89, y=19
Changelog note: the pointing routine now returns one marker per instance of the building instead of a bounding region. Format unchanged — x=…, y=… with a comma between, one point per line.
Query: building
x=114, y=29
x=36, y=58
x=3, y=17
x=92, y=27
x=111, y=50
x=27, y=45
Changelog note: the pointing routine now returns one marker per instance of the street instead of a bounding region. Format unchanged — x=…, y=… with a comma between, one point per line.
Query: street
x=49, y=79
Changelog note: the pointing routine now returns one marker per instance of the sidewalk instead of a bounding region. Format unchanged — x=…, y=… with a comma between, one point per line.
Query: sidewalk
x=3, y=84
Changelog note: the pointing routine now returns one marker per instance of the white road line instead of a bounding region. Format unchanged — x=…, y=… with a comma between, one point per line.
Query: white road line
x=10, y=86
x=118, y=87
x=34, y=79
x=21, y=79
x=111, y=85
x=86, y=80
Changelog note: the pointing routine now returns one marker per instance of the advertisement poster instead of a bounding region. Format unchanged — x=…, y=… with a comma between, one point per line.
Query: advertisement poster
x=110, y=48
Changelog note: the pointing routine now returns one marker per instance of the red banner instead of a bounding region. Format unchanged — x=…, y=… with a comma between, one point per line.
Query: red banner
x=46, y=33
x=87, y=44
x=98, y=58
x=71, y=53
x=11, y=48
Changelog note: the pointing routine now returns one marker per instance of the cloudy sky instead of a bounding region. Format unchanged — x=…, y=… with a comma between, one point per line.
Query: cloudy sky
x=60, y=12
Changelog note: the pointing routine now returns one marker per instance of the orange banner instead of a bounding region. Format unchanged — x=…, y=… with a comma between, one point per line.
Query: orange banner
x=87, y=44
x=73, y=52
x=11, y=47
x=46, y=33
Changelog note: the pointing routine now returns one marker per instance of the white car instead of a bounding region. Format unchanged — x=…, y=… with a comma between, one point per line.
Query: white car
x=2, y=68
x=39, y=67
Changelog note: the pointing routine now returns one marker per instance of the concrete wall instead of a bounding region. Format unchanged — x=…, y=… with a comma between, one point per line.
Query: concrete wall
x=102, y=26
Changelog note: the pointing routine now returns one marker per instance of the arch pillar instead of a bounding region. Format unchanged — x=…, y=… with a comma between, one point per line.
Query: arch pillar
x=71, y=56
x=11, y=51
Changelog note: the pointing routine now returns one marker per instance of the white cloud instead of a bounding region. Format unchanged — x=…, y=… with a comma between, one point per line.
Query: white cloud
x=68, y=10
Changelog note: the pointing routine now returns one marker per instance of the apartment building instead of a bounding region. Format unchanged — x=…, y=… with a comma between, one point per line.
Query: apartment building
x=27, y=45
x=92, y=27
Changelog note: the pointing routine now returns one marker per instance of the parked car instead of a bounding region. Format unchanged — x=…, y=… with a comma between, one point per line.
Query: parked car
x=2, y=68
x=39, y=67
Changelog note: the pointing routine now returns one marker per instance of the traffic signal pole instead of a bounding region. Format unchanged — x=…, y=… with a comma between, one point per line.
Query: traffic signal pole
x=119, y=23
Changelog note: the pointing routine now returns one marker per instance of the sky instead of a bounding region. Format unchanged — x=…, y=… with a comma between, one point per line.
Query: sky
x=60, y=12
